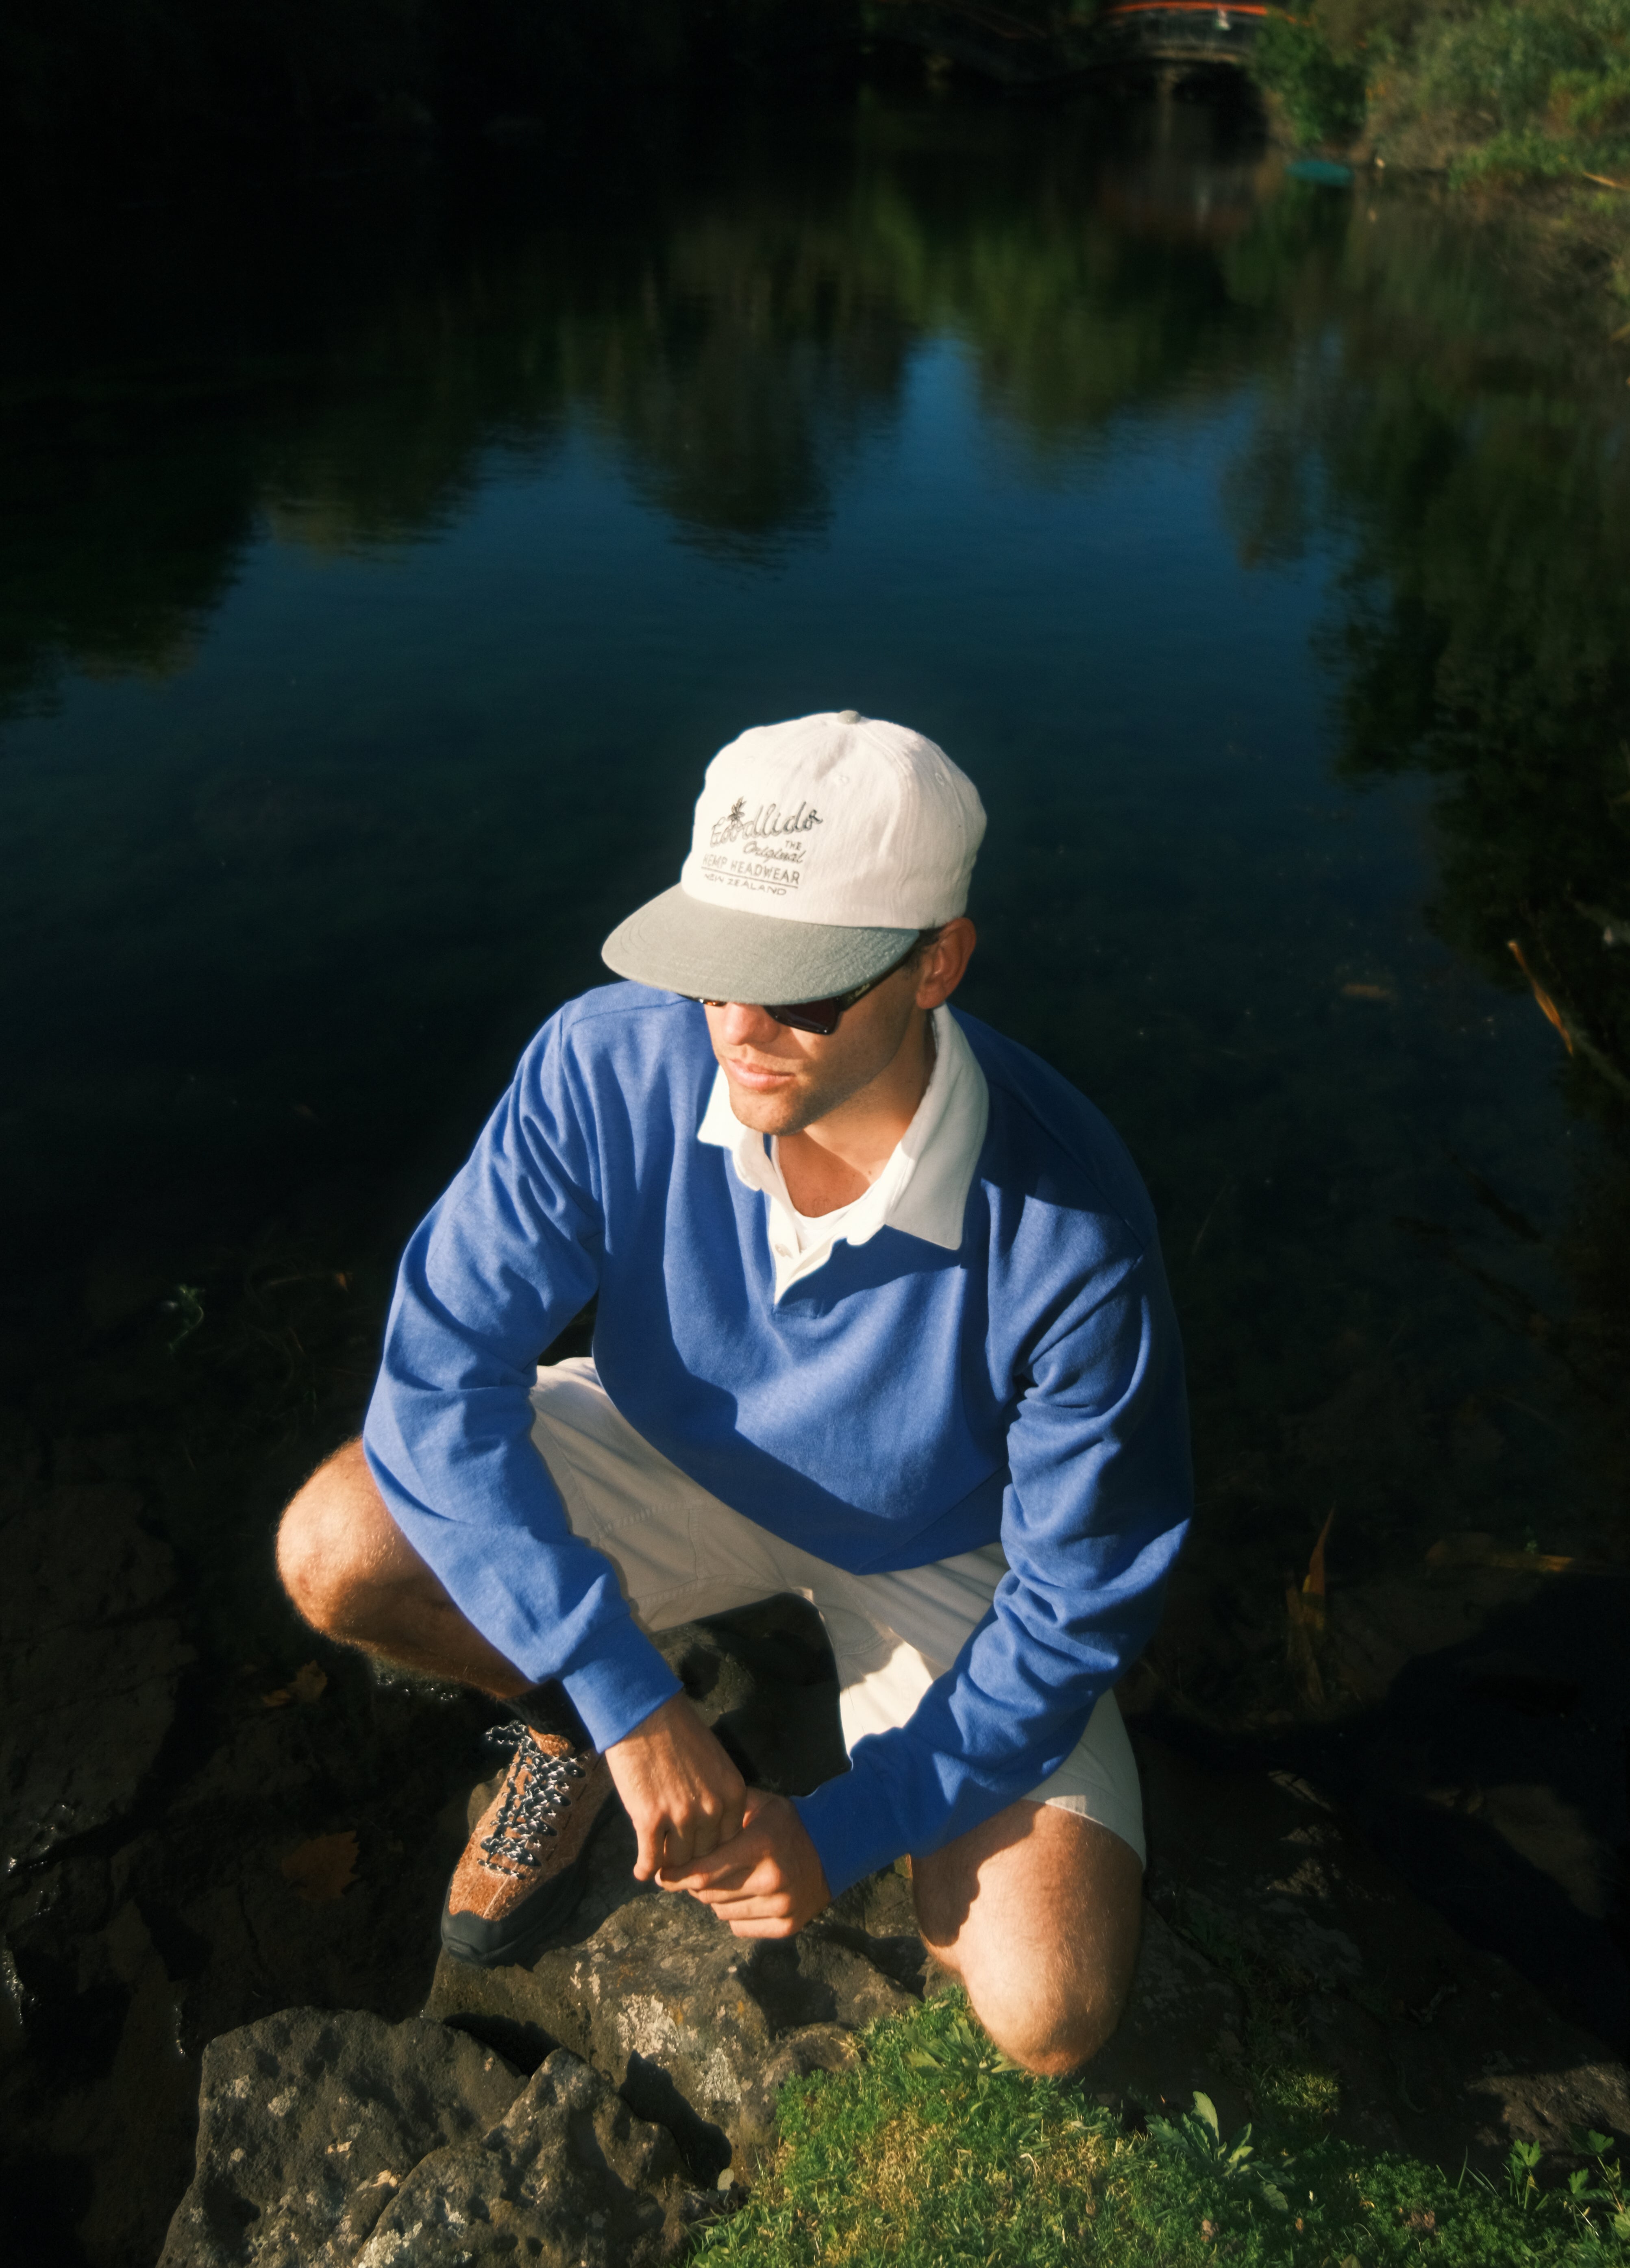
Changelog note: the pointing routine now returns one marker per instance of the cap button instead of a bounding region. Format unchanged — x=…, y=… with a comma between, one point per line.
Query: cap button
x=849, y=716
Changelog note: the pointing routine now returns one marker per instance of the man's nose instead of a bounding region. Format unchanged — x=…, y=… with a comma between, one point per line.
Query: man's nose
x=742, y=1026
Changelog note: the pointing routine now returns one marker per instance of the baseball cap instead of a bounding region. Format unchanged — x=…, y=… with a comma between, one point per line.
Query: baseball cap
x=820, y=847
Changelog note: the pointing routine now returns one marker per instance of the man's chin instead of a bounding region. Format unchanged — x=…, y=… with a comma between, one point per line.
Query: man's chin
x=783, y=1111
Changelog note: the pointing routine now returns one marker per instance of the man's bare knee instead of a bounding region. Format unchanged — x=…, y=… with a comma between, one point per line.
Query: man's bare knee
x=329, y=1540
x=1052, y=2042
x=1073, y=2039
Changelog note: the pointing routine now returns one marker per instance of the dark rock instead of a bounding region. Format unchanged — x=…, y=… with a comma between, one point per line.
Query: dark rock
x=1471, y=1718
x=133, y=2127
x=698, y=2028
x=1488, y=1769
x=1437, y=2046
x=763, y=1677
x=13, y=2001
x=1172, y=2038
x=570, y=2179
x=309, y=2123
x=108, y=2099
x=209, y=1874
x=1377, y=1629
x=88, y=1671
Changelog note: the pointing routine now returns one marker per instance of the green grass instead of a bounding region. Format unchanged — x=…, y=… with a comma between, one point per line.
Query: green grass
x=934, y=2152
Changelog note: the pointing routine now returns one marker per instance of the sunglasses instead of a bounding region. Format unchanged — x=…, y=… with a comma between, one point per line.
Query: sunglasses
x=823, y=1017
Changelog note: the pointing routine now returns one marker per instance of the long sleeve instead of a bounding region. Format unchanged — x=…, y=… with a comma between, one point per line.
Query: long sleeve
x=508, y=1257
x=1096, y=1509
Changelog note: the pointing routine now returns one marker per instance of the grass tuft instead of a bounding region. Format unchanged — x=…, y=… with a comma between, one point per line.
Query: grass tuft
x=936, y=2152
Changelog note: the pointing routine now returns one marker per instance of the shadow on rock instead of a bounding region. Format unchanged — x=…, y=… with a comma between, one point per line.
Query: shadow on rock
x=1436, y=2047
x=1477, y=1727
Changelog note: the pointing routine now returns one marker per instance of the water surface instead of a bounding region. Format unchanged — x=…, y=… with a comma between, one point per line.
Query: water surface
x=379, y=570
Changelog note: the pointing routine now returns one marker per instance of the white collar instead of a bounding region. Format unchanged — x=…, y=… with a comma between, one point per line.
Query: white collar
x=923, y=1188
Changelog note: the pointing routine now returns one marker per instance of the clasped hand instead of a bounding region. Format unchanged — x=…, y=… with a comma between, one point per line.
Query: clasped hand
x=701, y=1829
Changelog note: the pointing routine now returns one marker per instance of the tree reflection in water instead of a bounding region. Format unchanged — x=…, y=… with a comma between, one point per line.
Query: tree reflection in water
x=1378, y=1306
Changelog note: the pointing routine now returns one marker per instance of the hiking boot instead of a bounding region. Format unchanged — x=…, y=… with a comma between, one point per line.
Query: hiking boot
x=524, y=1867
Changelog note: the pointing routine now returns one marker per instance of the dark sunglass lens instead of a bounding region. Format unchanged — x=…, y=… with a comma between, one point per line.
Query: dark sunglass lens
x=819, y=1016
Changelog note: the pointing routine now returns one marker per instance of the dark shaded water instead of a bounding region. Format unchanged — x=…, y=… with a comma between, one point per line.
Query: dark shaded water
x=379, y=568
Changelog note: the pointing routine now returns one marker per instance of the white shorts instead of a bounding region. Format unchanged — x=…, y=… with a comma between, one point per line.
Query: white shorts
x=681, y=1554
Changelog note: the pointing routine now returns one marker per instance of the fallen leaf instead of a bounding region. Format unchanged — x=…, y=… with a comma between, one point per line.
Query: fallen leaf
x=323, y=1869
x=1367, y=992
x=1548, y=1007
x=308, y=1682
x=280, y=1699
x=1304, y=1611
x=1313, y=1582
x=1305, y=1617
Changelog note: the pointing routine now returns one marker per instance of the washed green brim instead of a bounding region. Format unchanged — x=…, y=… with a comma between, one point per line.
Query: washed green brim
x=679, y=945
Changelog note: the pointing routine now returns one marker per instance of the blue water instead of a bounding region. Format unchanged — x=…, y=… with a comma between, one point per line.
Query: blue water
x=367, y=636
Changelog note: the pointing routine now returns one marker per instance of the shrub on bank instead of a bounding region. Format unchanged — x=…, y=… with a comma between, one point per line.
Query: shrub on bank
x=1537, y=89
x=1514, y=89
x=1321, y=93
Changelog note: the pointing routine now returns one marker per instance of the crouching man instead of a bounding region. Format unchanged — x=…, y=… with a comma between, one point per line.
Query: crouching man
x=881, y=1320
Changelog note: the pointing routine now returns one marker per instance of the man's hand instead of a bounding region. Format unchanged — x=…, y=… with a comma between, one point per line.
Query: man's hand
x=680, y=1790
x=767, y=1881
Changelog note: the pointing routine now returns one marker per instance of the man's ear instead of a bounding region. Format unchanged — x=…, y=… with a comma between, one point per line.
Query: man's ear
x=945, y=963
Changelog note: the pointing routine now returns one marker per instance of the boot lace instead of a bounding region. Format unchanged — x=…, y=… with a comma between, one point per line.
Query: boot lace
x=537, y=1789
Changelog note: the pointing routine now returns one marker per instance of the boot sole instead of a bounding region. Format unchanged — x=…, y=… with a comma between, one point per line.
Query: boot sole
x=516, y=1936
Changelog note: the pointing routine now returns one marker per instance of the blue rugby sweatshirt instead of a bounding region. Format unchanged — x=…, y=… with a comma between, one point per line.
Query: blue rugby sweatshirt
x=900, y=1405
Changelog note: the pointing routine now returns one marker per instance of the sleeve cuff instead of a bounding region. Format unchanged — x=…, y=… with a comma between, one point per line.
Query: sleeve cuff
x=851, y=1839
x=616, y=1689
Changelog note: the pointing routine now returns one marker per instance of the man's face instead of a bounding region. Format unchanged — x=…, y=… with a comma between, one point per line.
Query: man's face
x=782, y=1080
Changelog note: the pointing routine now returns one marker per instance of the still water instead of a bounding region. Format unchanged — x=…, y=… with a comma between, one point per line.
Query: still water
x=380, y=565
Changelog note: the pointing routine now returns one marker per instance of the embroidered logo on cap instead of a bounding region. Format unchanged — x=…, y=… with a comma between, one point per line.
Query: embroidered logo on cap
x=764, y=851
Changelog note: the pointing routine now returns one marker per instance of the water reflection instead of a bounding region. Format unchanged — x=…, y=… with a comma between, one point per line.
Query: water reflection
x=1481, y=636
x=395, y=566
x=730, y=338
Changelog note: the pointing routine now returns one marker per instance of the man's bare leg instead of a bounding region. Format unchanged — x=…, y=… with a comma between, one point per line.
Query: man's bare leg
x=1037, y=1913
x=354, y=1577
